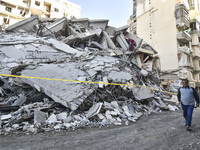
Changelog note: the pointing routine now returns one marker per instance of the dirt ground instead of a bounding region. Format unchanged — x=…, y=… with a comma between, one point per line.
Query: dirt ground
x=159, y=131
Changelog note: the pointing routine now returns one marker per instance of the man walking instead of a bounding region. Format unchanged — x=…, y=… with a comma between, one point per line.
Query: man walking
x=186, y=97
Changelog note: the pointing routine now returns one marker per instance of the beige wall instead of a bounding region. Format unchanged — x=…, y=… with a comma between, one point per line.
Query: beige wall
x=156, y=24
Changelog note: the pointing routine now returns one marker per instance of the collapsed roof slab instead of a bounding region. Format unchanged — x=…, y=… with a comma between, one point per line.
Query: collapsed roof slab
x=99, y=23
x=83, y=21
x=26, y=24
x=69, y=94
x=82, y=36
x=56, y=26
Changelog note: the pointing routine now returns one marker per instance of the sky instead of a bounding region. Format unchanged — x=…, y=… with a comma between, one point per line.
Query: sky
x=116, y=11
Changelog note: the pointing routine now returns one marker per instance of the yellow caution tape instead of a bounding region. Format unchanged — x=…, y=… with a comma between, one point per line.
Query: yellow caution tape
x=6, y=75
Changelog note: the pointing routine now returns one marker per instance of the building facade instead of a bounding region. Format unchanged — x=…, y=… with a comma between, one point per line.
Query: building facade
x=172, y=28
x=12, y=11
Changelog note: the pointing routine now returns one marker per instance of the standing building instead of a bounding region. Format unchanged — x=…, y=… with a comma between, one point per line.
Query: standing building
x=172, y=28
x=12, y=11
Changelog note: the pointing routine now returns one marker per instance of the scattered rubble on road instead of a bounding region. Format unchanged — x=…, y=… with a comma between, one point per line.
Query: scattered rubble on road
x=83, y=50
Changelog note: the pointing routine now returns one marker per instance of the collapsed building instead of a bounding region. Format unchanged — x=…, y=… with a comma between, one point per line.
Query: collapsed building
x=64, y=74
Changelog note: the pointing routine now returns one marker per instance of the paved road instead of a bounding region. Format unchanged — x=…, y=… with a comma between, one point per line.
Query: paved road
x=162, y=131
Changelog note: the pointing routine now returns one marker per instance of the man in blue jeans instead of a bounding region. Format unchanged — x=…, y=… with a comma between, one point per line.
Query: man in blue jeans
x=186, y=97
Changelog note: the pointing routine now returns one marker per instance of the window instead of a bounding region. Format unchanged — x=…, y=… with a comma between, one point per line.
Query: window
x=6, y=21
x=56, y=9
x=186, y=14
x=191, y=3
x=177, y=14
x=8, y=9
x=25, y=1
x=193, y=26
x=37, y=3
x=47, y=8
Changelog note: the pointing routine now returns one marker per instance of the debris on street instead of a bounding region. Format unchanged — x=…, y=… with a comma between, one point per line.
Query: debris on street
x=76, y=50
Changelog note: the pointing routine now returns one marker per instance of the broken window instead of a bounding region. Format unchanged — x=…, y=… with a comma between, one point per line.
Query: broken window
x=8, y=9
x=6, y=21
x=37, y=3
x=56, y=9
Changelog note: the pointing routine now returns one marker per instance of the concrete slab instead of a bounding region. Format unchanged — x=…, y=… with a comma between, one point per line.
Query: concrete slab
x=20, y=101
x=94, y=110
x=39, y=116
x=26, y=24
x=119, y=76
x=66, y=93
x=13, y=52
x=142, y=93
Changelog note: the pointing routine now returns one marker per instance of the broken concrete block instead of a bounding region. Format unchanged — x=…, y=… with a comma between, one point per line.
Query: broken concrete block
x=142, y=93
x=39, y=116
x=38, y=88
x=173, y=100
x=62, y=46
x=173, y=108
x=20, y=101
x=100, y=116
x=85, y=35
x=67, y=120
x=94, y=110
x=144, y=72
x=107, y=105
x=109, y=40
x=121, y=29
x=122, y=42
x=126, y=111
x=67, y=125
x=6, y=117
x=52, y=119
x=56, y=26
x=26, y=24
x=99, y=23
x=113, y=113
x=58, y=126
x=119, y=76
x=108, y=115
x=62, y=116
x=115, y=105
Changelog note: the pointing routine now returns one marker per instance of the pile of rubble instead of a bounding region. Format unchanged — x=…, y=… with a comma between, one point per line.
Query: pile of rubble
x=79, y=50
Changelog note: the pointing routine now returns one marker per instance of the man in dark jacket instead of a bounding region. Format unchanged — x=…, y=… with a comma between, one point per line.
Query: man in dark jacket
x=186, y=97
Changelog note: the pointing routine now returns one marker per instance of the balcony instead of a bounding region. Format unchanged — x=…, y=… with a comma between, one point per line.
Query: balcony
x=17, y=3
x=195, y=32
x=195, y=52
x=195, y=27
x=183, y=37
x=182, y=17
x=184, y=49
x=196, y=64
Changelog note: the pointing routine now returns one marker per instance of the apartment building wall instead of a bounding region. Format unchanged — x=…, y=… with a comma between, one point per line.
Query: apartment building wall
x=21, y=9
x=156, y=24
